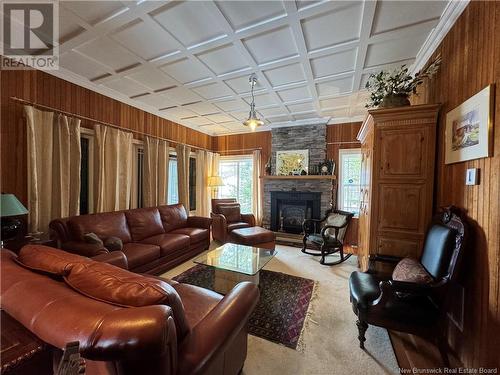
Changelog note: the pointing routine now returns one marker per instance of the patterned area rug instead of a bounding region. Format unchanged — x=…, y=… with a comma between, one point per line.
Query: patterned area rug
x=282, y=308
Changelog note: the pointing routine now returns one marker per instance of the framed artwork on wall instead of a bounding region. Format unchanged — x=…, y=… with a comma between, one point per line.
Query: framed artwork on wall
x=469, y=128
x=292, y=162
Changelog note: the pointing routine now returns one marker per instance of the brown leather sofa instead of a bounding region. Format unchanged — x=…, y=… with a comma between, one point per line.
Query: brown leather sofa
x=126, y=324
x=154, y=239
x=222, y=227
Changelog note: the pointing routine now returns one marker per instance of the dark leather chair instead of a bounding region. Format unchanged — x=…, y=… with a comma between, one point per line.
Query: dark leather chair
x=416, y=308
x=126, y=323
x=327, y=234
x=222, y=227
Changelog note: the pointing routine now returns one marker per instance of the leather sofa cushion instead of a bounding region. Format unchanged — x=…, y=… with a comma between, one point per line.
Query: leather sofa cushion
x=364, y=288
x=231, y=211
x=195, y=234
x=169, y=242
x=104, y=225
x=237, y=225
x=105, y=282
x=173, y=216
x=48, y=259
x=411, y=271
x=216, y=202
x=144, y=222
x=198, y=302
x=139, y=254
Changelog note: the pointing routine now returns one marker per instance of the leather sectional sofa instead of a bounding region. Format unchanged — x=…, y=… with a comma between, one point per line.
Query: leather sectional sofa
x=154, y=239
x=126, y=324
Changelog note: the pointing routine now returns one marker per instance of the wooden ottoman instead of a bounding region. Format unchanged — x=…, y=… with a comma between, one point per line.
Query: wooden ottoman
x=254, y=236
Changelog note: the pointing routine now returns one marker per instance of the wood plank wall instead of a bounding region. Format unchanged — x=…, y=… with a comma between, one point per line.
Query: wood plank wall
x=42, y=88
x=470, y=61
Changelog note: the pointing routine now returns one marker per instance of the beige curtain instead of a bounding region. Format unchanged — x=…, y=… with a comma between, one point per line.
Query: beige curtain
x=183, y=153
x=114, y=168
x=205, y=167
x=257, y=187
x=54, y=157
x=155, y=172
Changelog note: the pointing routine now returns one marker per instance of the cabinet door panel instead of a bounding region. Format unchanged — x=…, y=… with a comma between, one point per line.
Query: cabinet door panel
x=402, y=153
x=398, y=247
x=399, y=207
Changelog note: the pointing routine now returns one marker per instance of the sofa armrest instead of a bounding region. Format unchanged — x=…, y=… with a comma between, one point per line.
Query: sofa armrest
x=219, y=227
x=215, y=332
x=83, y=248
x=115, y=258
x=248, y=218
x=199, y=222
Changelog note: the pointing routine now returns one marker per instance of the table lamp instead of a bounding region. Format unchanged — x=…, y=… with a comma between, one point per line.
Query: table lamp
x=214, y=182
x=9, y=208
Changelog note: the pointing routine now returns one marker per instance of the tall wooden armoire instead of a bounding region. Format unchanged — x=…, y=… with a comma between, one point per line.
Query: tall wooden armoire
x=397, y=178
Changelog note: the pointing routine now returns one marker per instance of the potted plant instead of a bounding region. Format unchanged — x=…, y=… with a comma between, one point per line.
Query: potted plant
x=393, y=89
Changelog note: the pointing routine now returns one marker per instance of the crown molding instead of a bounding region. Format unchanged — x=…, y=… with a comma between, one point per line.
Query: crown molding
x=453, y=10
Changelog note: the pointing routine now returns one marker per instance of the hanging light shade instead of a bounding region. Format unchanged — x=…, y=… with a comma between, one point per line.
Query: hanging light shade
x=253, y=122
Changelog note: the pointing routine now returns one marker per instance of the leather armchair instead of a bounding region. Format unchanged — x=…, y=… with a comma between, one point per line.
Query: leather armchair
x=221, y=227
x=412, y=307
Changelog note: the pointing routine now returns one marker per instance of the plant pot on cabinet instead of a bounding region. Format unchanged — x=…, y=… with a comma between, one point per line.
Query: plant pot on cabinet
x=395, y=100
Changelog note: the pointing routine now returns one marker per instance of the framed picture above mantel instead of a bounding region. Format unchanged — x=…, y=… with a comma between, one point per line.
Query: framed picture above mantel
x=292, y=162
x=469, y=128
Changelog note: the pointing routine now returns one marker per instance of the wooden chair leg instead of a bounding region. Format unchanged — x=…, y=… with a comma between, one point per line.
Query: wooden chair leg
x=362, y=327
x=304, y=242
x=323, y=255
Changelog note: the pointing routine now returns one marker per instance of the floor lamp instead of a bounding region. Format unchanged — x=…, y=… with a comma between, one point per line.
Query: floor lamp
x=214, y=182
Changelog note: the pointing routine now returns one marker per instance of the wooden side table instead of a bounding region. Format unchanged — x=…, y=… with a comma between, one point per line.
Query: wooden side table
x=21, y=352
x=16, y=244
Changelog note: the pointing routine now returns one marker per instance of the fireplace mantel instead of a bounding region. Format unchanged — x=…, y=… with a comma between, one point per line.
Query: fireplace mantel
x=304, y=177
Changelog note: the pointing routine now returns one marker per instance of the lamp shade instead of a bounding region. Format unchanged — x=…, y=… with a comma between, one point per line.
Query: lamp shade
x=214, y=181
x=10, y=206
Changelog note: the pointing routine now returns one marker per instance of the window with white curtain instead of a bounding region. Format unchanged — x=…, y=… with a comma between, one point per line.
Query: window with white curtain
x=350, y=180
x=236, y=172
x=172, y=190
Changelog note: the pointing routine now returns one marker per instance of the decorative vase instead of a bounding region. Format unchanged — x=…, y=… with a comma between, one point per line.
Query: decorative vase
x=395, y=100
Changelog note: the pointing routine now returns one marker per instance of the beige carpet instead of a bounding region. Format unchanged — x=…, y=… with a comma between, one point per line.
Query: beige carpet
x=329, y=341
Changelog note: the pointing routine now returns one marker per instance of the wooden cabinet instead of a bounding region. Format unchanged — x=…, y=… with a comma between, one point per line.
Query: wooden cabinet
x=397, y=178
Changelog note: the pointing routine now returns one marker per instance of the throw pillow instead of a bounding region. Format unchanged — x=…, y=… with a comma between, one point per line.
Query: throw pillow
x=92, y=238
x=411, y=271
x=113, y=244
x=231, y=211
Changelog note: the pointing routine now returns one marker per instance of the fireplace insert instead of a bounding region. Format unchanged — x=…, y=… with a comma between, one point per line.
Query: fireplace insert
x=290, y=208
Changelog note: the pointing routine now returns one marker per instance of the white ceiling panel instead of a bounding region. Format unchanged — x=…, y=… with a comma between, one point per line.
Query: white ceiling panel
x=191, y=22
x=146, y=40
x=189, y=61
x=224, y=59
x=340, y=25
x=391, y=15
x=335, y=87
x=108, y=52
x=186, y=70
x=244, y=14
x=152, y=78
x=333, y=64
x=272, y=45
x=284, y=75
x=295, y=94
x=213, y=90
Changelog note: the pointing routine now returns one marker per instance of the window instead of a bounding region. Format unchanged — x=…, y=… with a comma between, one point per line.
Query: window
x=350, y=180
x=236, y=172
x=172, y=191
x=139, y=177
x=86, y=172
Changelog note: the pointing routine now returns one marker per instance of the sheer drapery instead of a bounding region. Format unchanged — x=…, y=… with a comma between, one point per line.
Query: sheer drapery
x=114, y=168
x=54, y=157
x=155, y=172
x=257, y=187
x=206, y=163
x=183, y=153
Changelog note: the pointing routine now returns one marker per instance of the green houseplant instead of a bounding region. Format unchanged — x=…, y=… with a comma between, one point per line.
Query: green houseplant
x=392, y=89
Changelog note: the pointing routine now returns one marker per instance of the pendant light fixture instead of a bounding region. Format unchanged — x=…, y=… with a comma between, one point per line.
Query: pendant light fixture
x=253, y=122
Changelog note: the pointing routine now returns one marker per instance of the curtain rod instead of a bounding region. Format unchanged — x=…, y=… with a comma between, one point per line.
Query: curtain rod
x=22, y=101
x=241, y=149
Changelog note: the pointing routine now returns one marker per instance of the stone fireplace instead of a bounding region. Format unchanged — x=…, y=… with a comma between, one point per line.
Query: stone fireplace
x=287, y=201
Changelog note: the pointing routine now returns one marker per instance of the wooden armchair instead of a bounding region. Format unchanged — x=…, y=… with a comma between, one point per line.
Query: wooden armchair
x=327, y=234
x=414, y=307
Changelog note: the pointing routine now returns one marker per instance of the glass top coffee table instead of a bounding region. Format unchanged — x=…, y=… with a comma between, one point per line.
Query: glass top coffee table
x=235, y=263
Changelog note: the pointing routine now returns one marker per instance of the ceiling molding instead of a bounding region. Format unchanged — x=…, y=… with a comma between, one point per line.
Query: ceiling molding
x=450, y=15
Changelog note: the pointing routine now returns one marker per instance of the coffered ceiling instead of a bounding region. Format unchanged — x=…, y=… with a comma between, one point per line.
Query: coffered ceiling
x=190, y=61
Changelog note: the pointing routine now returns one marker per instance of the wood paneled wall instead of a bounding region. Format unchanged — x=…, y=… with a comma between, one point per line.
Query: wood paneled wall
x=471, y=61
x=42, y=88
